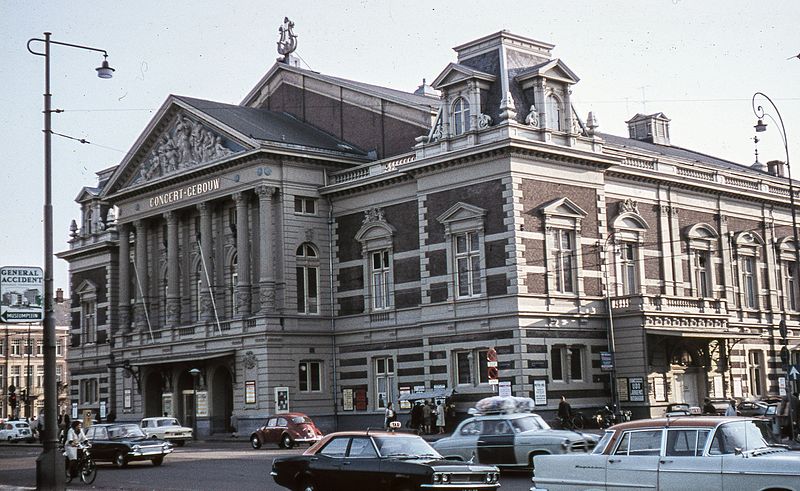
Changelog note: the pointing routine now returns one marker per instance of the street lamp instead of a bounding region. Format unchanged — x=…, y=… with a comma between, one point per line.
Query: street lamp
x=195, y=373
x=760, y=127
x=611, y=344
x=47, y=464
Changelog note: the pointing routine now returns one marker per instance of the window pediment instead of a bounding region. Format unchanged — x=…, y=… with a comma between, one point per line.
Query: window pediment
x=376, y=232
x=701, y=236
x=630, y=221
x=786, y=248
x=454, y=74
x=552, y=70
x=563, y=207
x=86, y=289
x=748, y=239
x=462, y=216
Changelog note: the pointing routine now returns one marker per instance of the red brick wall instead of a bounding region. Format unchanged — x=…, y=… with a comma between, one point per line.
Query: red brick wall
x=537, y=193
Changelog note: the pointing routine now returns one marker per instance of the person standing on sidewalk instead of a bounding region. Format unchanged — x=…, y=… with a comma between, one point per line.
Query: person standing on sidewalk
x=440, y=416
x=389, y=415
x=426, y=417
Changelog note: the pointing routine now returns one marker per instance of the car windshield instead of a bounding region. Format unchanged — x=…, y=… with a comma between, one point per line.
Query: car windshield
x=528, y=423
x=742, y=436
x=168, y=422
x=404, y=446
x=601, y=445
x=301, y=420
x=119, y=432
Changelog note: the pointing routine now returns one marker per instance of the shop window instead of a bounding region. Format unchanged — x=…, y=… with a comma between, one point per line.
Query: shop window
x=307, y=270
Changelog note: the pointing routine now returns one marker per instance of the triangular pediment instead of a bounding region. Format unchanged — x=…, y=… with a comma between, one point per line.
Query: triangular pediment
x=461, y=211
x=86, y=288
x=551, y=70
x=455, y=73
x=87, y=194
x=178, y=139
x=563, y=207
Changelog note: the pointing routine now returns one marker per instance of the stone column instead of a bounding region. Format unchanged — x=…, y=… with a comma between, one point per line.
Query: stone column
x=243, y=255
x=266, y=266
x=124, y=258
x=139, y=317
x=207, y=268
x=173, y=303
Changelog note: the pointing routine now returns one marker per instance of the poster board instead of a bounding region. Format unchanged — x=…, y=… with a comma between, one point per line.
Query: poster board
x=347, y=400
x=281, y=399
x=250, y=392
x=636, y=389
x=540, y=392
x=622, y=388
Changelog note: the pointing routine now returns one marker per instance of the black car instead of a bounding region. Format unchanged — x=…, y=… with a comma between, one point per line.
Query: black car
x=379, y=460
x=123, y=443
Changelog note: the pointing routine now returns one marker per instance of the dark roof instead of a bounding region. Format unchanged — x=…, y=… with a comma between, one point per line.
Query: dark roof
x=280, y=127
x=681, y=153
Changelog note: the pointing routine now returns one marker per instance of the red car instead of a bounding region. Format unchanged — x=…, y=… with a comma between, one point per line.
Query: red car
x=286, y=430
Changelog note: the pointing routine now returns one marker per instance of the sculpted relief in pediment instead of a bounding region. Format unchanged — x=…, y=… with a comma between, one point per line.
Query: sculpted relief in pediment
x=186, y=144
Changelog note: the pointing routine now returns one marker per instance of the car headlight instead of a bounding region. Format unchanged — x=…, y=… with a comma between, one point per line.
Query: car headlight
x=445, y=477
x=565, y=444
x=491, y=478
x=136, y=448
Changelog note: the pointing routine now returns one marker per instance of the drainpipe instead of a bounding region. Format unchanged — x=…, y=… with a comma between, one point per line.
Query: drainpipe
x=332, y=314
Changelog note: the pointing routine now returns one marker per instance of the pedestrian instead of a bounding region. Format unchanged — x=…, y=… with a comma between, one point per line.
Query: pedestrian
x=389, y=415
x=432, y=418
x=564, y=411
x=40, y=426
x=426, y=417
x=708, y=408
x=416, y=416
x=75, y=437
x=440, y=416
x=731, y=410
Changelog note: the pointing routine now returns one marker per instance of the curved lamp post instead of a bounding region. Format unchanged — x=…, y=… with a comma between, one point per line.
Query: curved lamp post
x=47, y=464
x=760, y=127
x=195, y=373
x=615, y=404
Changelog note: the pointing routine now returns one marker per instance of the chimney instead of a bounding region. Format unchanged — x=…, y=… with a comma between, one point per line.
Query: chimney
x=651, y=128
x=776, y=168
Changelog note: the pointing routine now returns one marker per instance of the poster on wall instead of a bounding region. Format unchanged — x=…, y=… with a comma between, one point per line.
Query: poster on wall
x=718, y=392
x=737, y=387
x=504, y=389
x=281, y=399
x=659, y=389
x=126, y=399
x=405, y=404
x=636, y=389
x=540, y=392
x=347, y=399
x=250, y=392
x=166, y=404
x=361, y=400
x=622, y=388
x=202, y=404
x=102, y=410
x=74, y=410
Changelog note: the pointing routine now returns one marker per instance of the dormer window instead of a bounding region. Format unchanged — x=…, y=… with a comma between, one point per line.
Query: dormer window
x=553, y=112
x=460, y=116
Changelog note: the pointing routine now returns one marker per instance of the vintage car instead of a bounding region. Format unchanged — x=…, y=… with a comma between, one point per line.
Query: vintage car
x=379, y=460
x=168, y=429
x=510, y=440
x=123, y=443
x=14, y=431
x=286, y=430
x=681, y=453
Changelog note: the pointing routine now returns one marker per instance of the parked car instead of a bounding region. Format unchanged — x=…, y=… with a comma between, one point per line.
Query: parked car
x=510, y=440
x=753, y=408
x=168, y=429
x=681, y=409
x=286, y=430
x=379, y=460
x=123, y=443
x=14, y=431
x=698, y=452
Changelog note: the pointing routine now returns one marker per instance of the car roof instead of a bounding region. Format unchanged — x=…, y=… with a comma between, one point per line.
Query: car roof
x=505, y=415
x=287, y=415
x=691, y=421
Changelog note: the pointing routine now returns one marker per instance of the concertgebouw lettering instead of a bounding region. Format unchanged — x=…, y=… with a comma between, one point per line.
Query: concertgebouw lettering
x=184, y=192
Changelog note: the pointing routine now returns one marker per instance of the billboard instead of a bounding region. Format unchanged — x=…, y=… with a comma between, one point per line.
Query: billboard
x=21, y=294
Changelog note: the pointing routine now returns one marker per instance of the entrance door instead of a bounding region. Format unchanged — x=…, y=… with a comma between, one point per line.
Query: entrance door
x=188, y=408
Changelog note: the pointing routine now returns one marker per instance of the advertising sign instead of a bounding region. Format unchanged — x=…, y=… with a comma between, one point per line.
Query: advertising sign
x=606, y=361
x=281, y=399
x=504, y=389
x=250, y=392
x=21, y=294
x=540, y=392
x=347, y=399
x=636, y=389
x=202, y=404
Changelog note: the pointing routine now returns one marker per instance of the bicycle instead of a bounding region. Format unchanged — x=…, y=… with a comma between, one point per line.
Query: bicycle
x=86, y=467
x=574, y=422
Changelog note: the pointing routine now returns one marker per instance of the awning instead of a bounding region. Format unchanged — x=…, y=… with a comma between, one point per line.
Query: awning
x=428, y=394
x=179, y=358
x=732, y=334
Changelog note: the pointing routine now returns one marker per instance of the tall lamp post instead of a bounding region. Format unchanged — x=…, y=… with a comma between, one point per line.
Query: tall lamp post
x=47, y=464
x=611, y=342
x=195, y=373
x=760, y=127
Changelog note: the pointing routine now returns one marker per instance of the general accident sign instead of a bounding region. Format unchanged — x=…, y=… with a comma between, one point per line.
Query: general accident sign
x=21, y=294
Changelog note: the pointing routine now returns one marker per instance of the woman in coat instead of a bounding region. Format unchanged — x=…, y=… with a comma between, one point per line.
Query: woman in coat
x=75, y=436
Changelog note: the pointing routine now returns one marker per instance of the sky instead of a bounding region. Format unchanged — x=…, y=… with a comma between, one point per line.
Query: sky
x=697, y=61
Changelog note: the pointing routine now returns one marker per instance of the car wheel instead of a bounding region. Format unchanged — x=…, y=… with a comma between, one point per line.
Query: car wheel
x=255, y=442
x=286, y=441
x=119, y=460
x=307, y=484
x=158, y=461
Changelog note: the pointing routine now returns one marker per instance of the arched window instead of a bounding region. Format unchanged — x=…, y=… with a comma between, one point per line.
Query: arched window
x=629, y=229
x=553, y=112
x=307, y=269
x=460, y=116
x=87, y=223
x=702, y=240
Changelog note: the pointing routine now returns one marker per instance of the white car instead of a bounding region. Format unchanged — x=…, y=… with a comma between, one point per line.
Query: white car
x=168, y=429
x=681, y=453
x=14, y=431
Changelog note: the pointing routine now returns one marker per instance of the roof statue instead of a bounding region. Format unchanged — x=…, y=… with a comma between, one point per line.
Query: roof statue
x=288, y=41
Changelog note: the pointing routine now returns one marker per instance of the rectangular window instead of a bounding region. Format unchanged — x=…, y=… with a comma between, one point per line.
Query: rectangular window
x=39, y=348
x=59, y=371
x=234, y=292
x=305, y=206
x=791, y=286
x=307, y=302
x=756, y=372
x=89, y=328
x=88, y=391
x=628, y=259
x=2, y=349
x=701, y=261
x=39, y=376
x=563, y=253
x=16, y=376
x=29, y=346
x=575, y=363
x=748, y=282
x=556, y=367
x=468, y=264
x=59, y=349
x=384, y=381
x=310, y=376
x=16, y=347
x=471, y=367
x=381, y=284
x=566, y=363
x=3, y=377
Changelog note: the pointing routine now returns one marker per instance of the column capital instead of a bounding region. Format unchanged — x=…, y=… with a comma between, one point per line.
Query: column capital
x=238, y=197
x=170, y=216
x=203, y=208
x=266, y=192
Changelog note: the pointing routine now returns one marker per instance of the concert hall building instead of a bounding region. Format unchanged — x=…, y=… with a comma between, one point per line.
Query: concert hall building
x=327, y=245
